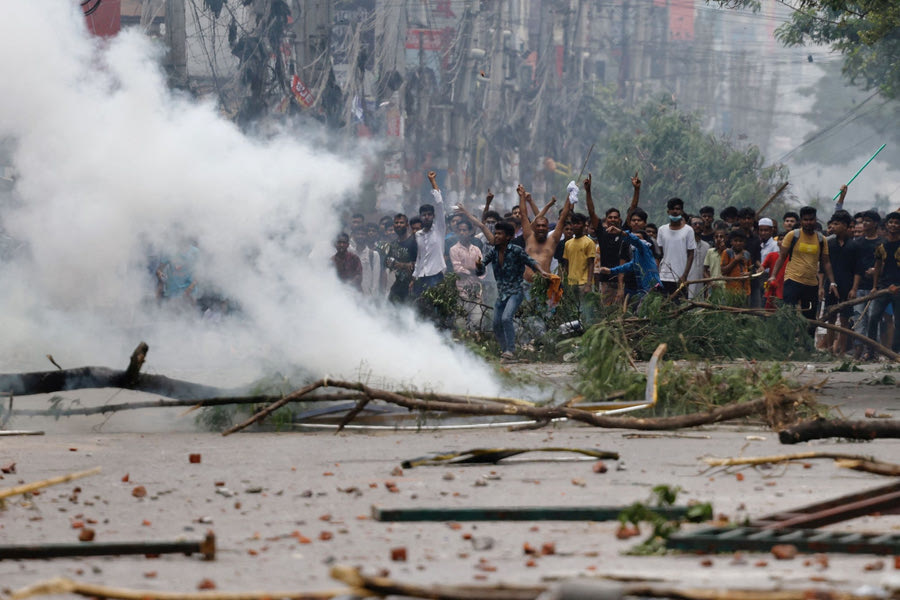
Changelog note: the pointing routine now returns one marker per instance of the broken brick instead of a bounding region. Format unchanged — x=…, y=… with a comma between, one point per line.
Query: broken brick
x=784, y=551
x=398, y=554
x=194, y=459
x=139, y=492
x=206, y=584
x=86, y=535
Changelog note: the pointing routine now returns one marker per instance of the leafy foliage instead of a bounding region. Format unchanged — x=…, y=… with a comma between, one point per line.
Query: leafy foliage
x=675, y=157
x=661, y=496
x=866, y=32
x=703, y=334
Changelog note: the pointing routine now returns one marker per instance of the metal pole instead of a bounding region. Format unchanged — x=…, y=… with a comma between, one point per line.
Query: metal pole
x=206, y=547
x=836, y=196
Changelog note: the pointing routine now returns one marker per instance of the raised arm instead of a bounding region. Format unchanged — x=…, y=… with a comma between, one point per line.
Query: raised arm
x=561, y=223
x=523, y=211
x=635, y=196
x=589, y=199
x=484, y=228
x=487, y=205
x=840, y=202
x=532, y=206
x=440, y=222
x=546, y=208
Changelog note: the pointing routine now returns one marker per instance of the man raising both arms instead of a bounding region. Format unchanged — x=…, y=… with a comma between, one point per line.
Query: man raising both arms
x=540, y=242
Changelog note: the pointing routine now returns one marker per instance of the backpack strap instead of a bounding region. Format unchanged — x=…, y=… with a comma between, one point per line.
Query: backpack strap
x=796, y=236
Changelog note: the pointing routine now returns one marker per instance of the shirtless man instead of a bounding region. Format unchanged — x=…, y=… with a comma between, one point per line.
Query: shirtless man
x=540, y=243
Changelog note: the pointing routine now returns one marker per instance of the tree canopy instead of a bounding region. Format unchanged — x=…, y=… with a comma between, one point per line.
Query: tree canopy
x=675, y=157
x=866, y=32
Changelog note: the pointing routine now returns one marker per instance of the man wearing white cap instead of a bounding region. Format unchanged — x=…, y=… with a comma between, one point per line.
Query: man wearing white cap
x=766, y=229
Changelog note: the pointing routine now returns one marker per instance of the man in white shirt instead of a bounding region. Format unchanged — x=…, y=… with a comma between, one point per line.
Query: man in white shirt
x=676, y=240
x=430, y=264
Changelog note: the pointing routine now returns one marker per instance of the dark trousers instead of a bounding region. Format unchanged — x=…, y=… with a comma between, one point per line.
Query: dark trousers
x=423, y=283
x=877, y=308
x=804, y=296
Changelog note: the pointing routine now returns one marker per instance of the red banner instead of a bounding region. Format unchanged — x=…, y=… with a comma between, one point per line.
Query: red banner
x=301, y=92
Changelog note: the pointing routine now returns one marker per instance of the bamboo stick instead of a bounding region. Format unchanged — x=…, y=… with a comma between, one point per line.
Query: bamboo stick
x=36, y=485
x=763, y=460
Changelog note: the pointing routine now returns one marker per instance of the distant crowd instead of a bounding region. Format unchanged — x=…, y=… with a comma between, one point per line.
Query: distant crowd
x=739, y=258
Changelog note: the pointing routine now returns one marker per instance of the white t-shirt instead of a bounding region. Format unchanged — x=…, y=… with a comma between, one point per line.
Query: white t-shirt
x=675, y=244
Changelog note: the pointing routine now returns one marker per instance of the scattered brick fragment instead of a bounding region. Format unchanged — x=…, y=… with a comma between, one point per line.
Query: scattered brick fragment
x=206, y=584
x=325, y=535
x=784, y=551
x=8, y=468
x=398, y=554
x=139, y=492
x=761, y=563
x=86, y=535
x=548, y=548
x=627, y=531
x=194, y=459
x=600, y=467
x=529, y=549
x=150, y=575
x=531, y=563
x=739, y=476
x=397, y=472
x=77, y=524
x=126, y=477
x=878, y=565
x=706, y=562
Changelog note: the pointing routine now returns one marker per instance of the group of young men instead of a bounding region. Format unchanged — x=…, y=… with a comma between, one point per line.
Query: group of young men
x=739, y=257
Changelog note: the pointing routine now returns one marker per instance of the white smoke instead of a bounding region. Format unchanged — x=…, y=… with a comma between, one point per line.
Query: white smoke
x=112, y=166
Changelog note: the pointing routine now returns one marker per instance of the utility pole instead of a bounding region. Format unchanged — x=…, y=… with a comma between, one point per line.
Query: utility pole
x=176, y=40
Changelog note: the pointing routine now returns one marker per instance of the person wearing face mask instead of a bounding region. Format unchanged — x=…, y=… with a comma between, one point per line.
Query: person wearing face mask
x=676, y=240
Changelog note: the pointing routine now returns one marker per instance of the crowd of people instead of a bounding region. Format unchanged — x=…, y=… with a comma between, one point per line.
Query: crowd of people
x=736, y=257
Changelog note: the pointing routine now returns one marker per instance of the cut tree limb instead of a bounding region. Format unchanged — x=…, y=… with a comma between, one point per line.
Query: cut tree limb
x=870, y=466
x=764, y=460
x=855, y=430
x=62, y=585
x=858, y=336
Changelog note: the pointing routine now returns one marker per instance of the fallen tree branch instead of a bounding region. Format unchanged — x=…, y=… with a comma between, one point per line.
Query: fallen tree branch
x=276, y=405
x=36, y=485
x=61, y=585
x=854, y=430
x=764, y=460
x=382, y=586
x=834, y=308
x=870, y=466
x=542, y=413
x=858, y=336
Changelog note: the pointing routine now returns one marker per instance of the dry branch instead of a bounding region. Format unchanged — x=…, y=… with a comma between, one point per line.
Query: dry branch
x=855, y=430
x=870, y=466
x=858, y=336
x=835, y=308
x=765, y=406
x=61, y=585
x=763, y=460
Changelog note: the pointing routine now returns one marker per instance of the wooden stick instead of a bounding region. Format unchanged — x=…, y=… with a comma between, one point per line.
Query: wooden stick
x=762, y=460
x=870, y=466
x=36, y=485
x=383, y=586
x=130, y=377
x=61, y=585
x=853, y=301
x=771, y=198
x=276, y=405
x=858, y=336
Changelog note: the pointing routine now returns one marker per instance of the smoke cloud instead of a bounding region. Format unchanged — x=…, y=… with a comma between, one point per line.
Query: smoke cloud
x=113, y=168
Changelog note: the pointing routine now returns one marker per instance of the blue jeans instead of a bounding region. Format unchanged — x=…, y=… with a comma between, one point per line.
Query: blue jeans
x=504, y=328
x=877, y=307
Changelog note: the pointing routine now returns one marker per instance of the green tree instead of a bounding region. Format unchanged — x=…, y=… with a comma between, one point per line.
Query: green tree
x=866, y=32
x=674, y=156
